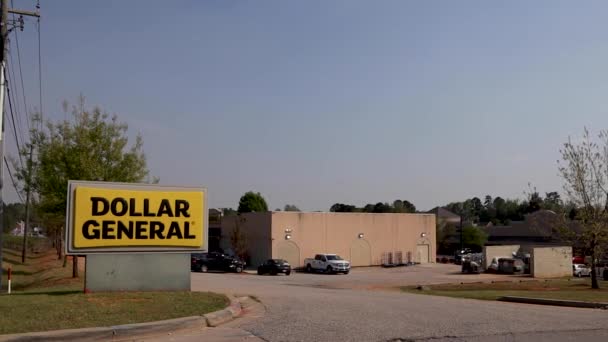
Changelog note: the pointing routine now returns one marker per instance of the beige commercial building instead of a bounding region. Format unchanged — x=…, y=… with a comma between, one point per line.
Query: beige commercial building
x=363, y=238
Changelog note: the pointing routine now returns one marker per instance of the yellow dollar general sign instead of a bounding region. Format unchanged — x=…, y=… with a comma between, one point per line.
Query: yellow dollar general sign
x=117, y=217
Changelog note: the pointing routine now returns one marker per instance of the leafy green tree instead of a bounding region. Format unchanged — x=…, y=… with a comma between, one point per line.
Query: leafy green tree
x=488, y=203
x=382, y=208
x=408, y=207
x=499, y=207
x=553, y=201
x=398, y=206
x=238, y=239
x=343, y=208
x=369, y=208
x=91, y=146
x=584, y=169
x=13, y=213
x=515, y=210
x=291, y=207
x=534, y=200
x=444, y=231
x=252, y=202
x=464, y=209
x=474, y=237
x=477, y=206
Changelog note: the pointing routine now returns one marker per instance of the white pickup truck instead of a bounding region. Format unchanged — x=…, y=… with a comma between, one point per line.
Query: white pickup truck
x=329, y=263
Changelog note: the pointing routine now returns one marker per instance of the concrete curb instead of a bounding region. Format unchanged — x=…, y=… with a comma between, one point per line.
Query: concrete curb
x=220, y=317
x=120, y=332
x=555, y=302
x=247, y=302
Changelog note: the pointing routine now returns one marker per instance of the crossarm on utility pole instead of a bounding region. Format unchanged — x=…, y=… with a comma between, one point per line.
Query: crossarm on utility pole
x=26, y=13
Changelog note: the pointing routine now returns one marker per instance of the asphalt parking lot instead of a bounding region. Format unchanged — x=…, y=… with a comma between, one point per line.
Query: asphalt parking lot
x=375, y=278
x=363, y=306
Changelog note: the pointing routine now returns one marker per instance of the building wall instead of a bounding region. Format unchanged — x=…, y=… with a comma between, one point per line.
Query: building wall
x=491, y=252
x=551, y=262
x=255, y=228
x=312, y=233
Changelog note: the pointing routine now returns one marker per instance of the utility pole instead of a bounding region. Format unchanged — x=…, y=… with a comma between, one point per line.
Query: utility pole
x=4, y=32
x=461, y=242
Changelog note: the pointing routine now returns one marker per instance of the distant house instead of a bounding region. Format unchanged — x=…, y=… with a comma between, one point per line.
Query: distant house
x=20, y=228
x=538, y=228
x=215, y=229
x=444, y=215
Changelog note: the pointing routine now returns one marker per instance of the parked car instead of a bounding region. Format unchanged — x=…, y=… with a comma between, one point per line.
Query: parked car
x=328, y=263
x=459, y=254
x=274, y=267
x=578, y=259
x=494, y=264
x=203, y=262
x=470, y=266
x=581, y=270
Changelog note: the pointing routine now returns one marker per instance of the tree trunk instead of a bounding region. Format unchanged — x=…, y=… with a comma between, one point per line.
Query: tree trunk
x=594, y=283
x=59, y=245
x=74, y=266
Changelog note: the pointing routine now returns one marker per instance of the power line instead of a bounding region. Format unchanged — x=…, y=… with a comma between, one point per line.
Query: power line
x=39, y=64
x=4, y=33
x=11, y=76
x=27, y=117
x=13, y=180
x=10, y=105
x=25, y=110
x=14, y=96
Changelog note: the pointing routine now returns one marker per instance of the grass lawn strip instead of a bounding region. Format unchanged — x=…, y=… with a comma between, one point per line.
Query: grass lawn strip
x=40, y=270
x=45, y=297
x=553, y=289
x=36, y=311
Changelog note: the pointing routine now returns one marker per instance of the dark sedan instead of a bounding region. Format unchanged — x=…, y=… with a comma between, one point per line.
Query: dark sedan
x=203, y=262
x=274, y=267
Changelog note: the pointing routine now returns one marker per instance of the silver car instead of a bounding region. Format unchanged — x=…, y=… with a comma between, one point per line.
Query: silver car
x=581, y=270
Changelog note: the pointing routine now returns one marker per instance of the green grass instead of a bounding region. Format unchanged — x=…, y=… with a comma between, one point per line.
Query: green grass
x=552, y=289
x=46, y=297
x=40, y=270
x=67, y=309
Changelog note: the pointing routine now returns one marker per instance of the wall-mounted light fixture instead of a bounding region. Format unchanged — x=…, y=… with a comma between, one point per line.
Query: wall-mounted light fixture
x=287, y=230
x=288, y=237
x=423, y=234
x=360, y=235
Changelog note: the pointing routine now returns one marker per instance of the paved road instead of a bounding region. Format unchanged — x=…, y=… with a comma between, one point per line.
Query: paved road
x=310, y=307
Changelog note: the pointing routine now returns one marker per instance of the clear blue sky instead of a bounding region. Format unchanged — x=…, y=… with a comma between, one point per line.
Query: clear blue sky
x=317, y=102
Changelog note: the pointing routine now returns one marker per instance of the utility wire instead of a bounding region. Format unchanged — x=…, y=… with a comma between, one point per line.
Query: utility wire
x=12, y=77
x=13, y=180
x=27, y=117
x=25, y=110
x=10, y=104
x=39, y=65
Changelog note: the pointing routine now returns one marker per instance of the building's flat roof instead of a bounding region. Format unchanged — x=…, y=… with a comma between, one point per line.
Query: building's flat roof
x=345, y=213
